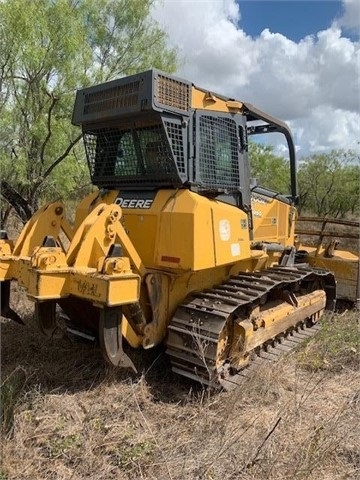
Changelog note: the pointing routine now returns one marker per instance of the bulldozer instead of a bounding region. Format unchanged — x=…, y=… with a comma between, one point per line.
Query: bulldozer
x=176, y=245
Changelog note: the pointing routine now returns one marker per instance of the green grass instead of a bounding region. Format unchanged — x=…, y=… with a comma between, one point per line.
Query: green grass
x=60, y=446
x=336, y=347
x=11, y=390
x=128, y=454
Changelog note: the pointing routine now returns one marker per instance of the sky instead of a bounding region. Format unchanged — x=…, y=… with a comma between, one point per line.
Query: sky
x=298, y=60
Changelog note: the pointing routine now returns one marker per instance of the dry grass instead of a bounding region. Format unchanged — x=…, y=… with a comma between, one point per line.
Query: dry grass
x=67, y=416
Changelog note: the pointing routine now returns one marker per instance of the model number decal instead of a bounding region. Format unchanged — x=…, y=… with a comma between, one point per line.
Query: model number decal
x=134, y=202
x=261, y=200
x=87, y=288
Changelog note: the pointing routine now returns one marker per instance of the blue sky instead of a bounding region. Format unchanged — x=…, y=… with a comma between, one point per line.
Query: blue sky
x=293, y=18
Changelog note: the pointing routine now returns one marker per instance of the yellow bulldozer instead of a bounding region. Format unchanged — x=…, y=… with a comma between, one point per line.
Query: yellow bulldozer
x=177, y=245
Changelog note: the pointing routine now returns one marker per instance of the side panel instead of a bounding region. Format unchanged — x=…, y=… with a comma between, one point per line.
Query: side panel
x=274, y=221
x=231, y=234
x=183, y=230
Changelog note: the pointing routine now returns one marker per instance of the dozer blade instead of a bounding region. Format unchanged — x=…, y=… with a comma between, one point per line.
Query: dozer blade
x=334, y=246
x=6, y=310
x=110, y=338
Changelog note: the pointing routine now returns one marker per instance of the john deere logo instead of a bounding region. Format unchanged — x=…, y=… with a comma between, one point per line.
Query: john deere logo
x=134, y=202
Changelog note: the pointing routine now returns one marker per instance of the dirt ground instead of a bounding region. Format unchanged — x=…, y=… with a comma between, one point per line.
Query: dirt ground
x=66, y=415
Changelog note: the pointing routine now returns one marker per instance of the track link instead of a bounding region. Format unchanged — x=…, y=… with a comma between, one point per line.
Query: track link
x=198, y=334
x=270, y=353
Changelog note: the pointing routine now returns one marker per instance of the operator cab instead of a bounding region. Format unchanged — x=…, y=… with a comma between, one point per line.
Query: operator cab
x=152, y=131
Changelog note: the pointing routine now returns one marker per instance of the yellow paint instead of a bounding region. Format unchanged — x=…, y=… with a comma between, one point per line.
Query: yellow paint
x=6, y=247
x=345, y=266
x=184, y=242
x=45, y=222
x=158, y=233
x=274, y=221
x=205, y=100
x=132, y=338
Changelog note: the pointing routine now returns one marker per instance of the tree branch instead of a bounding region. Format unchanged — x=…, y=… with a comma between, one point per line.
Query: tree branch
x=53, y=165
x=64, y=155
x=16, y=200
x=49, y=132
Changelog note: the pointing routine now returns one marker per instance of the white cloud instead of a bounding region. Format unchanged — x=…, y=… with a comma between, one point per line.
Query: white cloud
x=313, y=84
x=326, y=128
x=350, y=18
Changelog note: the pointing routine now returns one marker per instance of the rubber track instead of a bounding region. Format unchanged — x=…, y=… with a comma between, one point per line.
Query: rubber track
x=195, y=328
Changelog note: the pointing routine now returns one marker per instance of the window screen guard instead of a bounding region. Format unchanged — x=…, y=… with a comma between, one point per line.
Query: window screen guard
x=144, y=156
x=218, y=151
x=157, y=155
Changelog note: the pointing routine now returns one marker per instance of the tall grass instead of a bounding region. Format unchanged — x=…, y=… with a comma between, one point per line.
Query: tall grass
x=294, y=419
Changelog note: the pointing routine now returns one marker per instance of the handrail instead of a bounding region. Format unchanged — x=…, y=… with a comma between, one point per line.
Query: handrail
x=327, y=234
x=322, y=233
x=337, y=221
x=324, y=223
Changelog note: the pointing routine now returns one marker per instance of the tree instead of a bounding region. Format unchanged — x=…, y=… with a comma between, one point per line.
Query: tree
x=270, y=170
x=329, y=184
x=48, y=49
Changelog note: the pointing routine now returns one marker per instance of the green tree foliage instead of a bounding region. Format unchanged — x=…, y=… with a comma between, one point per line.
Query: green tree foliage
x=270, y=171
x=48, y=49
x=329, y=184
